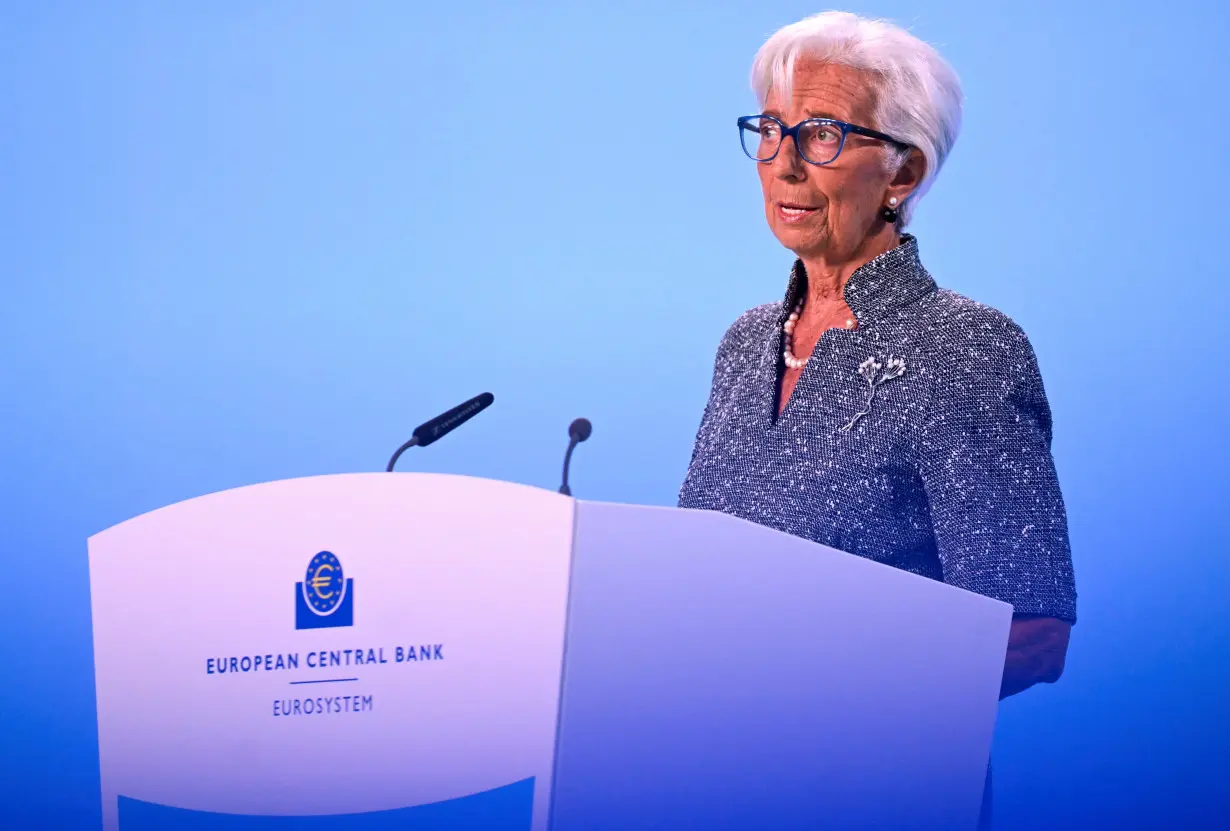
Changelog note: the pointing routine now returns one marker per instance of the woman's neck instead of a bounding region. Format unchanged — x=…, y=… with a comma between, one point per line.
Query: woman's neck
x=827, y=274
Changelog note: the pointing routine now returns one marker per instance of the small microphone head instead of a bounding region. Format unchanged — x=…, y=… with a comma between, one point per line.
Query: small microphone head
x=580, y=429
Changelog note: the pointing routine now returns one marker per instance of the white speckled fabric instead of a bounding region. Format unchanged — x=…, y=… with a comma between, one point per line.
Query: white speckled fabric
x=949, y=474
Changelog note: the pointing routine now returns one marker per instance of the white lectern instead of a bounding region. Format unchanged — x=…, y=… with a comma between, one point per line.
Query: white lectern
x=410, y=651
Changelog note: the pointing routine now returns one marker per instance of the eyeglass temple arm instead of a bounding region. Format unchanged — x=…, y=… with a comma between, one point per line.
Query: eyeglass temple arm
x=876, y=134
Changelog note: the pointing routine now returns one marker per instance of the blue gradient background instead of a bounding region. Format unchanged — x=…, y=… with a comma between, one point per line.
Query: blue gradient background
x=242, y=242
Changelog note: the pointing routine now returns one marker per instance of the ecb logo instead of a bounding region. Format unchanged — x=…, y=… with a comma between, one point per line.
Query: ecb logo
x=325, y=598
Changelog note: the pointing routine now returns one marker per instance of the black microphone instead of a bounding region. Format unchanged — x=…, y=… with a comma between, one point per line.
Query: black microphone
x=578, y=431
x=429, y=431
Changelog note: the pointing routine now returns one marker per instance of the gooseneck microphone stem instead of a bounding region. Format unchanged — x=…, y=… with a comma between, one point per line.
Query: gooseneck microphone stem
x=412, y=443
x=564, y=489
x=578, y=431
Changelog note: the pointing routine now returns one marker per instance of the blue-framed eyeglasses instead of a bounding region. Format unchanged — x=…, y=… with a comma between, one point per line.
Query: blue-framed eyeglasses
x=818, y=140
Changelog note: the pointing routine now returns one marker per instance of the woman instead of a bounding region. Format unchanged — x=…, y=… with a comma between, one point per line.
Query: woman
x=870, y=410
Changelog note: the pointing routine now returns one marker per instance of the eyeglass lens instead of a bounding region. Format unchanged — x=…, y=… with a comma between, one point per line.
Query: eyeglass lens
x=819, y=142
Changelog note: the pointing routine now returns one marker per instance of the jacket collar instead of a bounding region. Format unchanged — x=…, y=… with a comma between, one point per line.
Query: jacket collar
x=894, y=279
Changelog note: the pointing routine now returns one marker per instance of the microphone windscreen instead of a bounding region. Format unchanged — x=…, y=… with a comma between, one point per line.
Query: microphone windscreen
x=580, y=429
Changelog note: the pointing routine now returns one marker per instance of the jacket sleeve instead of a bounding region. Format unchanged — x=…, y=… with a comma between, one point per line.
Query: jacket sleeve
x=985, y=460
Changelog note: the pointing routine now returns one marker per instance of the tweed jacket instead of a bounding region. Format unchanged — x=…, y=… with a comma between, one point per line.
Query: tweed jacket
x=920, y=439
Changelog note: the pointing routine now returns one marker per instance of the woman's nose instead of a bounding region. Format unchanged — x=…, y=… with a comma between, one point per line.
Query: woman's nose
x=788, y=164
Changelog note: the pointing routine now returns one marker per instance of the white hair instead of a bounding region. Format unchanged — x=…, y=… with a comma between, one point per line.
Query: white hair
x=917, y=94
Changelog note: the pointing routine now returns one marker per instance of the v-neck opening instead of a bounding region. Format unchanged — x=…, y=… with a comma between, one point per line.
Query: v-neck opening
x=777, y=374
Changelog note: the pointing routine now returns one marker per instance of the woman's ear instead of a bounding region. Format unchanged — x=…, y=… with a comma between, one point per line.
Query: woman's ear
x=908, y=177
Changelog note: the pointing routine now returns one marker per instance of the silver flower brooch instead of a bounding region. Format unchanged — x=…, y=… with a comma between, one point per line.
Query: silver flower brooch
x=876, y=374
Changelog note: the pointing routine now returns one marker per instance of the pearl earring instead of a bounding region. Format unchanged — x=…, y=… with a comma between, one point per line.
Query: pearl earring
x=890, y=212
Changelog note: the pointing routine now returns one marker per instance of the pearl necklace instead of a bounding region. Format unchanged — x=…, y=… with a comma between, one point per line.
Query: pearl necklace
x=788, y=336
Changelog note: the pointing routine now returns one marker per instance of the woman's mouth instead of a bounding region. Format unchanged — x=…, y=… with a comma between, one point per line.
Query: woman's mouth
x=794, y=212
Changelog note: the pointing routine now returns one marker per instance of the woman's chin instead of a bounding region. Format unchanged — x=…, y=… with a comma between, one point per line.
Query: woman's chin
x=798, y=238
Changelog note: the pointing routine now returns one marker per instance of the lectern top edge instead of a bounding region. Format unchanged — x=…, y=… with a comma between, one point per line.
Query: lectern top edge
x=291, y=482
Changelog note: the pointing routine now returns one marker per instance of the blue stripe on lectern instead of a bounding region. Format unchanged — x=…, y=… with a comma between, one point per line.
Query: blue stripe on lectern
x=508, y=808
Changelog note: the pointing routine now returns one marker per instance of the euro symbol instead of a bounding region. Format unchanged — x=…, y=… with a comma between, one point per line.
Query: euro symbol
x=320, y=582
